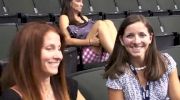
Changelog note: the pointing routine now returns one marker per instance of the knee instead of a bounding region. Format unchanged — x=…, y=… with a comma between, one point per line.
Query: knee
x=99, y=22
x=109, y=22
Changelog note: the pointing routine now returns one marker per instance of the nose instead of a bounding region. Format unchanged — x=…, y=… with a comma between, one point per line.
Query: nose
x=58, y=55
x=81, y=4
x=137, y=39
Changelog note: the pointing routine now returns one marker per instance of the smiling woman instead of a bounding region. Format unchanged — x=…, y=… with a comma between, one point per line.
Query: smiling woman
x=35, y=63
x=137, y=70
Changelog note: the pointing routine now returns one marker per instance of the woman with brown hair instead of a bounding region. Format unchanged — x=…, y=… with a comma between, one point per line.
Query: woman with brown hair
x=35, y=63
x=137, y=70
x=92, y=36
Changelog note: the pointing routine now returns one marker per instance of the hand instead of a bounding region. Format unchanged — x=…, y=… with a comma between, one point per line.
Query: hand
x=94, y=41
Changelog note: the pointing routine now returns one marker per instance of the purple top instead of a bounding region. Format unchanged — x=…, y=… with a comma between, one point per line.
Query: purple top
x=130, y=86
x=80, y=31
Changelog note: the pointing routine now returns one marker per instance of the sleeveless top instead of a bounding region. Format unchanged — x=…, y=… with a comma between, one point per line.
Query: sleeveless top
x=80, y=31
x=10, y=94
x=88, y=54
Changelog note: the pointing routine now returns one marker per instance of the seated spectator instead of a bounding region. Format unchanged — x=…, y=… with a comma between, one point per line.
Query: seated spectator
x=36, y=65
x=78, y=30
x=137, y=70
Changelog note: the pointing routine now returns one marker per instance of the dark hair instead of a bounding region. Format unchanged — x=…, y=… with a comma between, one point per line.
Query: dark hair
x=119, y=58
x=25, y=57
x=66, y=10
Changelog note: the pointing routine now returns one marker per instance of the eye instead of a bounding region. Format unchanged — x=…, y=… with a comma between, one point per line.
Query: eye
x=49, y=48
x=142, y=34
x=129, y=35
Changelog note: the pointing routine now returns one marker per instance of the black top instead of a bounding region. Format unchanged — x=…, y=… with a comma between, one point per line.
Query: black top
x=12, y=95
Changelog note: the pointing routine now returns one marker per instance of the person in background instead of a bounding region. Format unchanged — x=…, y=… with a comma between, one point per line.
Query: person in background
x=137, y=70
x=78, y=30
x=36, y=65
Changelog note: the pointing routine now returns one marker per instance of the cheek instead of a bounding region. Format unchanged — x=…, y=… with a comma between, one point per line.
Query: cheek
x=45, y=56
x=126, y=42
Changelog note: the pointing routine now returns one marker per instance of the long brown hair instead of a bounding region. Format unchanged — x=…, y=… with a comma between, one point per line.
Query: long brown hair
x=119, y=58
x=25, y=58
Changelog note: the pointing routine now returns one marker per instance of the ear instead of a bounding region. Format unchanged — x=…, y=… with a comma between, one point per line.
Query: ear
x=151, y=36
x=121, y=40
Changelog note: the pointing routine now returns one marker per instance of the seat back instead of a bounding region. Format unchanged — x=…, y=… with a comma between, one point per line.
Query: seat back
x=48, y=6
x=148, y=5
x=127, y=5
x=174, y=52
x=19, y=6
x=166, y=5
x=106, y=6
x=92, y=84
x=86, y=7
x=170, y=23
x=7, y=33
x=71, y=60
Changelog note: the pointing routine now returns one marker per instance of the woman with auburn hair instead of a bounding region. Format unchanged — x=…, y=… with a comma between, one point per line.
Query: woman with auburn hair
x=91, y=35
x=137, y=70
x=36, y=65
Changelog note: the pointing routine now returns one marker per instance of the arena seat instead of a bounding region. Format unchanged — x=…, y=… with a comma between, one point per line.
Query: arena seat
x=7, y=33
x=91, y=83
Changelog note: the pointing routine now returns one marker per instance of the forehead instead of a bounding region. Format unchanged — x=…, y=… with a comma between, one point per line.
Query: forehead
x=51, y=36
x=136, y=27
x=77, y=0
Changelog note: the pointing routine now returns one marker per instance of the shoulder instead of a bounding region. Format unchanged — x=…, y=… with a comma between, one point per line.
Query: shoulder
x=86, y=18
x=10, y=94
x=171, y=64
x=119, y=82
x=63, y=17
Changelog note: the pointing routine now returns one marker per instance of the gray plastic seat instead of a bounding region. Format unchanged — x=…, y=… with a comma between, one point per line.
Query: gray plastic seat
x=127, y=5
x=148, y=5
x=92, y=84
x=19, y=6
x=166, y=5
x=86, y=7
x=117, y=22
x=48, y=6
x=106, y=6
x=155, y=23
x=170, y=23
x=174, y=52
x=7, y=33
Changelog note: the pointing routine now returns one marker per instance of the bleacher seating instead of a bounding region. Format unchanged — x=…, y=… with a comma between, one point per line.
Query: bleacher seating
x=91, y=83
x=7, y=32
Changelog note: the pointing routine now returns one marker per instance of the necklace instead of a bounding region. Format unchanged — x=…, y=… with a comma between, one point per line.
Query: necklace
x=140, y=68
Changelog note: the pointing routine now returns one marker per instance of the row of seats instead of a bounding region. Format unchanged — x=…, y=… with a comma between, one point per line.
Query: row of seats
x=49, y=10
x=10, y=7
x=92, y=84
x=115, y=6
x=90, y=6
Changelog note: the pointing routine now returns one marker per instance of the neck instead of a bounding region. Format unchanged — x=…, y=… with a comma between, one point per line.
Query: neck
x=137, y=62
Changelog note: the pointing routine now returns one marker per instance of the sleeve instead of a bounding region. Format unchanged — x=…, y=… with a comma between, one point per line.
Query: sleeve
x=114, y=84
x=10, y=95
x=170, y=62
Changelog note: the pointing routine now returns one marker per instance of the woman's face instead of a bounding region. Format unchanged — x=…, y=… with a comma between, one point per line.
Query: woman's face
x=51, y=54
x=136, y=40
x=76, y=5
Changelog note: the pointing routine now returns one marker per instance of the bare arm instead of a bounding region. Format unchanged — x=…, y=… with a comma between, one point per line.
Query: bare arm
x=63, y=24
x=115, y=94
x=174, y=86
